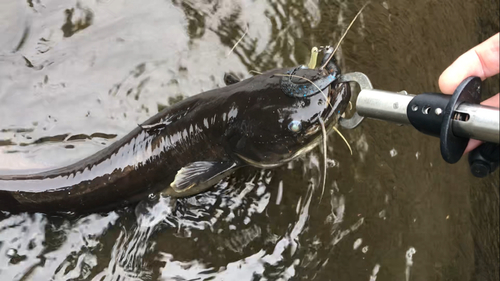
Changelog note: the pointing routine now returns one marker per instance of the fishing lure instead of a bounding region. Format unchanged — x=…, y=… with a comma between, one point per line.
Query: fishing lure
x=295, y=85
x=301, y=84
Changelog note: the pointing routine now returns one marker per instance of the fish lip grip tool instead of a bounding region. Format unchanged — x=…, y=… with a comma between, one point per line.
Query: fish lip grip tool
x=454, y=119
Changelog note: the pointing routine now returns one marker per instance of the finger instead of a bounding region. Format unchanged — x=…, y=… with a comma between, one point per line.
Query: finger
x=482, y=60
x=472, y=145
x=493, y=101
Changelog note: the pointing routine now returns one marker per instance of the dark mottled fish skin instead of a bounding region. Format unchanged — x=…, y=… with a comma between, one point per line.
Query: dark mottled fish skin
x=216, y=125
x=300, y=88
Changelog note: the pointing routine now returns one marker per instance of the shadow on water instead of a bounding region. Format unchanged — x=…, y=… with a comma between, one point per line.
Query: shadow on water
x=75, y=76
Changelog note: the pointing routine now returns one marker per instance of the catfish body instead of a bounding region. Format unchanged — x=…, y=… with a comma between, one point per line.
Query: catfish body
x=182, y=150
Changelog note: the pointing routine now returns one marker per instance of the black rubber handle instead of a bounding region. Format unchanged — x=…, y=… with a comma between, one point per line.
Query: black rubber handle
x=484, y=159
x=453, y=147
x=425, y=112
x=433, y=114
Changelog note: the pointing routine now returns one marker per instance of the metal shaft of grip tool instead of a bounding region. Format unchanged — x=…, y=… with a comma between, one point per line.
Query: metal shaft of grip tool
x=482, y=122
x=384, y=105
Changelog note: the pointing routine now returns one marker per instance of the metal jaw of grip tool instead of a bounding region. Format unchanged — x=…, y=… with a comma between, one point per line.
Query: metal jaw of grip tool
x=365, y=84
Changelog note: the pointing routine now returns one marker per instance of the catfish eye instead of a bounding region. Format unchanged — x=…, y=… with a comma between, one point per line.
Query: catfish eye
x=295, y=126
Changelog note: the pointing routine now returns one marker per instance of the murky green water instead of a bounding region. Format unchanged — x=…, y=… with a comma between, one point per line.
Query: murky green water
x=77, y=75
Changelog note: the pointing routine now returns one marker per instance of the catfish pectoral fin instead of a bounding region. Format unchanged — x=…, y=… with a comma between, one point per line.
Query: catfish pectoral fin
x=199, y=176
x=230, y=79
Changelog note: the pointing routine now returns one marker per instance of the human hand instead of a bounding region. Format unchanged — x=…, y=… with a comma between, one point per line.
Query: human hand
x=483, y=61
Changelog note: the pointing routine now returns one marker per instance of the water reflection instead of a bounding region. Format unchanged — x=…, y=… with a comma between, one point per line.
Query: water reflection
x=77, y=19
x=75, y=76
x=41, y=248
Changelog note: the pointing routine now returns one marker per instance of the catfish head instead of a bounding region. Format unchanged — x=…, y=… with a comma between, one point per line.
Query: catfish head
x=280, y=117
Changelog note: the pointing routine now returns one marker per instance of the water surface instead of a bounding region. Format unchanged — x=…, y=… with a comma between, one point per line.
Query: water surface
x=76, y=76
